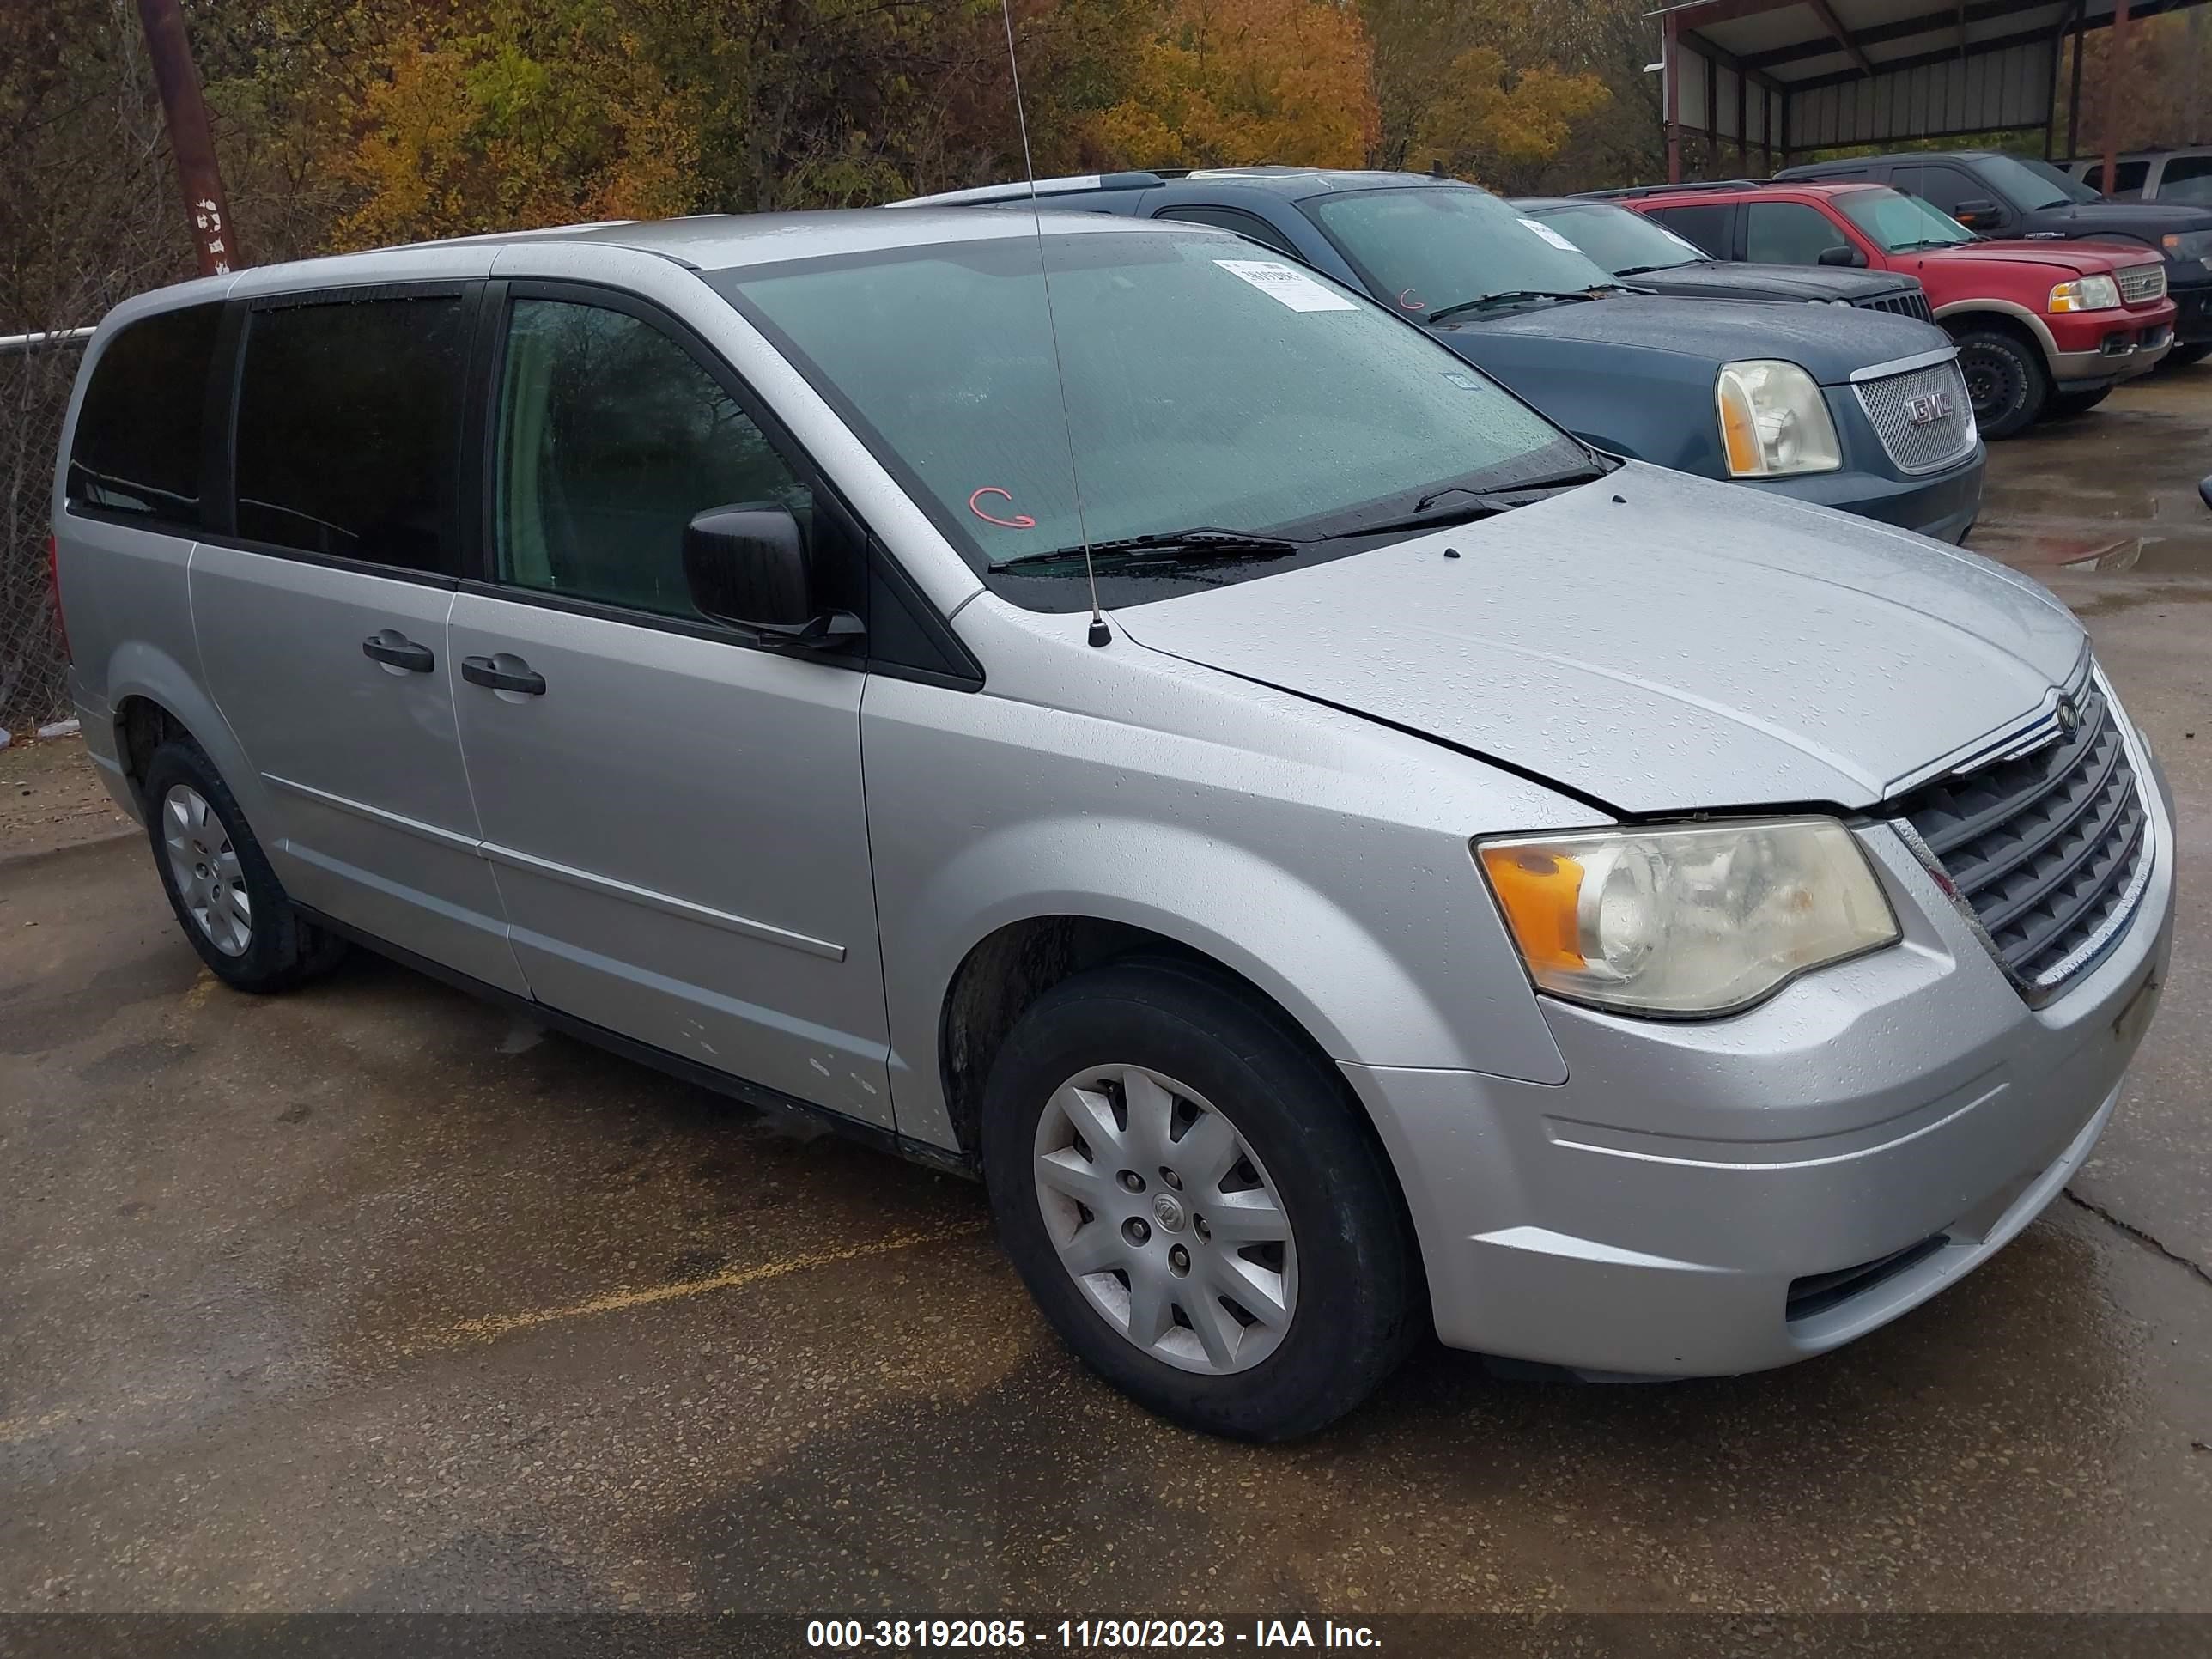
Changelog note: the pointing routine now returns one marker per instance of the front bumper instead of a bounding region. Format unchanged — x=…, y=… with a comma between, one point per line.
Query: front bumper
x=1730, y=1195
x=2103, y=347
x=1940, y=504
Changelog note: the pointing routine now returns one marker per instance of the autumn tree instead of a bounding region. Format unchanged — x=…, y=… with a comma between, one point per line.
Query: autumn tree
x=1232, y=82
x=1489, y=90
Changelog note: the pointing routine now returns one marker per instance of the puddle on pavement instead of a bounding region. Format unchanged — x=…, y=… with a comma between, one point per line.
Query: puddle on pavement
x=2085, y=552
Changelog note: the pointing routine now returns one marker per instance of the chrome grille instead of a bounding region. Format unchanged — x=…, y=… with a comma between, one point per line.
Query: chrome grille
x=2051, y=848
x=1891, y=402
x=1913, y=302
x=2139, y=283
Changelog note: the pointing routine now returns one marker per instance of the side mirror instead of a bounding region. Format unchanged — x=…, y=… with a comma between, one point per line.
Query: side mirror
x=1975, y=213
x=1842, y=256
x=747, y=565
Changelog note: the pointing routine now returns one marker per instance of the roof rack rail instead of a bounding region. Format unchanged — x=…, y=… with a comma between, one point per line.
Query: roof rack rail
x=1021, y=190
x=1665, y=189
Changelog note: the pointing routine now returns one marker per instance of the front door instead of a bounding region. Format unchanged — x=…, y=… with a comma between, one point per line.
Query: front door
x=674, y=813
x=321, y=622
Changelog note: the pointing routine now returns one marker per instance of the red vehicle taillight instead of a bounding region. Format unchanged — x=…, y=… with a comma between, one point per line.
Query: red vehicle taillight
x=54, y=582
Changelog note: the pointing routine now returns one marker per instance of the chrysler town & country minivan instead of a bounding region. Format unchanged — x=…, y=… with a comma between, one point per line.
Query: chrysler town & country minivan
x=1454, y=879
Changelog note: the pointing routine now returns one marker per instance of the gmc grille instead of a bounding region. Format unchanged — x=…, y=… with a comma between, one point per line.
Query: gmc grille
x=1913, y=302
x=1922, y=416
x=2050, y=848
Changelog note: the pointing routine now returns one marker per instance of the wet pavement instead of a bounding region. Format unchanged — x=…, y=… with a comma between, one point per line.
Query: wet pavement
x=370, y=1297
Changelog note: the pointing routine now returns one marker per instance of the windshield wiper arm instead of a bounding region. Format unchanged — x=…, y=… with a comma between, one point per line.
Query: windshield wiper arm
x=1480, y=504
x=1509, y=295
x=1645, y=270
x=1202, y=543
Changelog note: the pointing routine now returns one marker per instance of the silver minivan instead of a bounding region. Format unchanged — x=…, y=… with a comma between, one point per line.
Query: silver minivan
x=1453, y=879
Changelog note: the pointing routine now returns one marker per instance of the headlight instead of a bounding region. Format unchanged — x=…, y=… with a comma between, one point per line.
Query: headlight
x=2086, y=294
x=1690, y=921
x=1774, y=421
x=2188, y=245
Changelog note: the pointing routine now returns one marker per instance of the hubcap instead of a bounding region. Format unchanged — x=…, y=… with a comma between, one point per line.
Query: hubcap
x=1201, y=1270
x=209, y=880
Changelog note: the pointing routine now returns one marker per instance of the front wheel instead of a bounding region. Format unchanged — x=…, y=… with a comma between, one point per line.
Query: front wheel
x=2195, y=352
x=1186, y=1190
x=2006, y=381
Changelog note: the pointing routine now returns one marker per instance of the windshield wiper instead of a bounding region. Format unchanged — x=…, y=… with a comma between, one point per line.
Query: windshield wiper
x=1201, y=544
x=1925, y=241
x=1480, y=504
x=1645, y=270
x=1507, y=297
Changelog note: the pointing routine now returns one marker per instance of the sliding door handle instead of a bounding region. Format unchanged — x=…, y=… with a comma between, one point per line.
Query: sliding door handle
x=395, y=650
x=486, y=672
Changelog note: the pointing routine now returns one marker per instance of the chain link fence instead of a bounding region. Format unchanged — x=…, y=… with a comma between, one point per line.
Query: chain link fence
x=34, y=388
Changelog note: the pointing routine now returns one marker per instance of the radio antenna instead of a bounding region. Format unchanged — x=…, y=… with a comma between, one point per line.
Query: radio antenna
x=1100, y=634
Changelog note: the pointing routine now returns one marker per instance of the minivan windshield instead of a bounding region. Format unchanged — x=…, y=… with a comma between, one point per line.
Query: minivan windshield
x=1436, y=248
x=1898, y=222
x=1627, y=244
x=1206, y=385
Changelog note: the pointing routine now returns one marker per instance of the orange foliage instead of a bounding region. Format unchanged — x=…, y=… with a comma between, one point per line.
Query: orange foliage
x=1230, y=82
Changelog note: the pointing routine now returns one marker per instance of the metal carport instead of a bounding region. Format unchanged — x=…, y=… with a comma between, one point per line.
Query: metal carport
x=1775, y=77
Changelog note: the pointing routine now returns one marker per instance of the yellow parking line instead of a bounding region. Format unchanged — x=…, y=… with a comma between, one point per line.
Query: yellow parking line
x=491, y=1327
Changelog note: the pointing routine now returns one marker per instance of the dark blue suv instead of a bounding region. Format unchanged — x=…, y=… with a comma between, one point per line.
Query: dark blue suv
x=1844, y=408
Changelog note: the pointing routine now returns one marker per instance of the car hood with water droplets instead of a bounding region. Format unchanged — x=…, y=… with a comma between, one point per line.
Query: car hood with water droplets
x=1656, y=642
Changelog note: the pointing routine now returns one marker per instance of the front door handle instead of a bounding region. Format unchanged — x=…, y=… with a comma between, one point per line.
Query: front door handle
x=396, y=650
x=484, y=671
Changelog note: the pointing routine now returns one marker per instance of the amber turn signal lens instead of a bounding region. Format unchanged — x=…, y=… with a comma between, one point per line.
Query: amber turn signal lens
x=1540, y=893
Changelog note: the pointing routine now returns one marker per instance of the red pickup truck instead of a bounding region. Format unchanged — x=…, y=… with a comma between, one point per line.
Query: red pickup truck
x=2043, y=327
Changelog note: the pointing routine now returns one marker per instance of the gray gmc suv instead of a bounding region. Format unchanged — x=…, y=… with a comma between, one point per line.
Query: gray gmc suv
x=1453, y=878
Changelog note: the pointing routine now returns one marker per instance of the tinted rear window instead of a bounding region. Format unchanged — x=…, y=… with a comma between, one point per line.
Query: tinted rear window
x=137, y=446
x=349, y=430
x=1708, y=228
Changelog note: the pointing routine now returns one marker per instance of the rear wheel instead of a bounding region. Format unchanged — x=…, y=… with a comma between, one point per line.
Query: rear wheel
x=2005, y=379
x=227, y=900
x=2064, y=404
x=1183, y=1186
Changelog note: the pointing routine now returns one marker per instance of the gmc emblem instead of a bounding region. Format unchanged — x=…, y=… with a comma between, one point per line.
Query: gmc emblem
x=1926, y=411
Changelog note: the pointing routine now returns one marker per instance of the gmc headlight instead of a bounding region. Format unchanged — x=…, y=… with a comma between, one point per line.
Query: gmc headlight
x=2184, y=246
x=1689, y=920
x=1774, y=421
x=2085, y=293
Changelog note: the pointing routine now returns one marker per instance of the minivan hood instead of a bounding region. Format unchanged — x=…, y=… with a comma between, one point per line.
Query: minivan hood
x=1829, y=342
x=1655, y=642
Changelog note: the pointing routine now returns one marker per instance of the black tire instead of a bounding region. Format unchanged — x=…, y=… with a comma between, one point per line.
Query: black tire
x=2064, y=404
x=2181, y=356
x=2006, y=379
x=280, y=950
x=1359, y=1304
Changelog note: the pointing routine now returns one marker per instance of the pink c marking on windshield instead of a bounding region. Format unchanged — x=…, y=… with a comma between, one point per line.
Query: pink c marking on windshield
x=1019, y=521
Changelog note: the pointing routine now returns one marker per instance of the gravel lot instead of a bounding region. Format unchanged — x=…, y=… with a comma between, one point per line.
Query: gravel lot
x=371, y=1298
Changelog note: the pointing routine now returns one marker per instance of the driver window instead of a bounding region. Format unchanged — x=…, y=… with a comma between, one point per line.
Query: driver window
x=1787, y=234
x=611, y=440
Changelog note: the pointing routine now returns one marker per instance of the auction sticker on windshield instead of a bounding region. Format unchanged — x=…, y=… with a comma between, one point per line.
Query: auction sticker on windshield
x=1551, y=235
x=1293, y=288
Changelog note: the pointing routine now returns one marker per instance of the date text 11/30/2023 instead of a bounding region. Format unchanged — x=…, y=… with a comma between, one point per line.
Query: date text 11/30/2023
x=1081, y=1635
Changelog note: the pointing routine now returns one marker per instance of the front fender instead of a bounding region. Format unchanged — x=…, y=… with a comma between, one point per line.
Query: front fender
x=1321, y=857
x=1653, y=406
